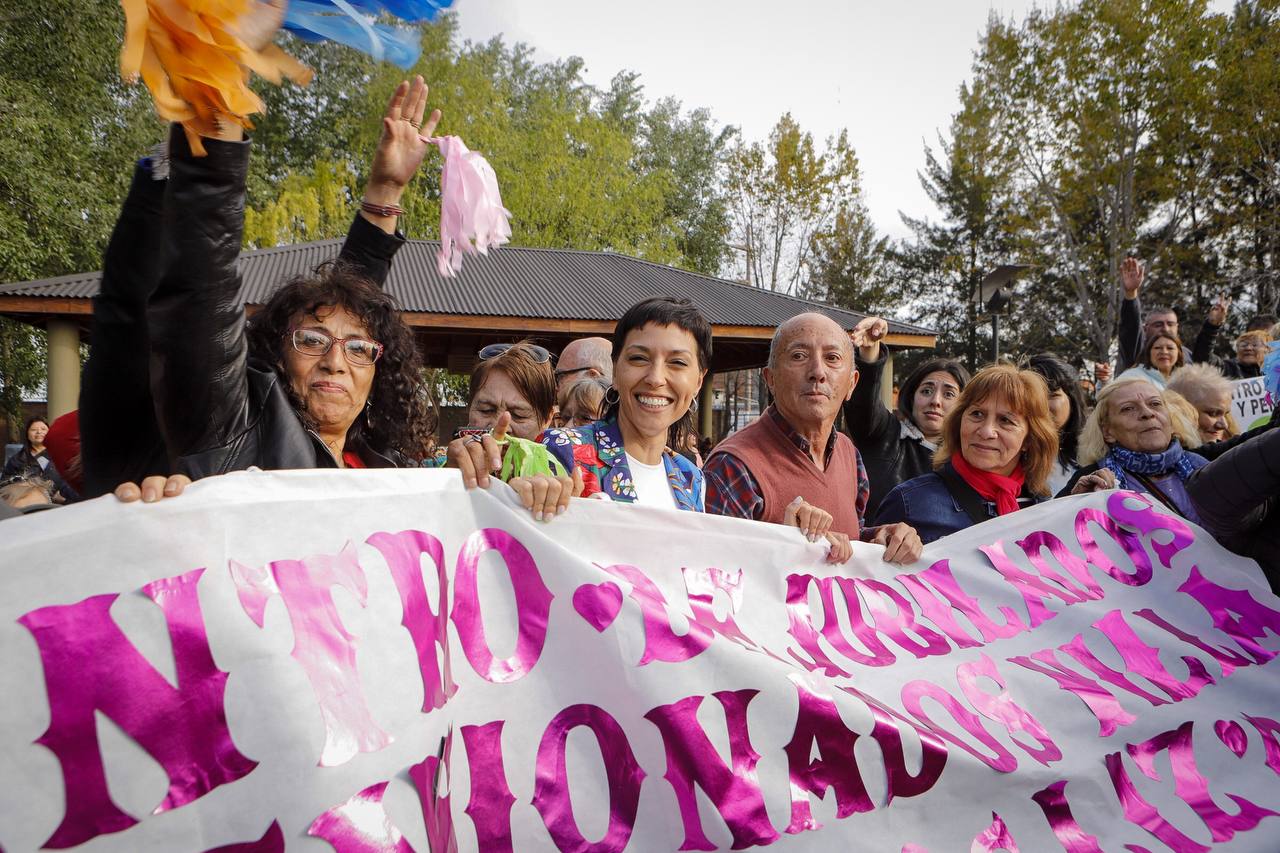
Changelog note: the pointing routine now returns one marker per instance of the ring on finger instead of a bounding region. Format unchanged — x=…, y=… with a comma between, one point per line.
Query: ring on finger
x=472, y=439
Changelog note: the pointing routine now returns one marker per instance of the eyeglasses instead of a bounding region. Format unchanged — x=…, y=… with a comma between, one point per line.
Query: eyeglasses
x=541, y=355
x=317, y=343
x=561, y=374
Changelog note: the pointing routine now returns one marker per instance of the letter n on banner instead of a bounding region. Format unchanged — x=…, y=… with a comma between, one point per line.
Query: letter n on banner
x=90, y=665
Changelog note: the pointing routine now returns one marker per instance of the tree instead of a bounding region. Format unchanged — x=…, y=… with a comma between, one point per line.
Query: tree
x=850, y=263
x=782, y=193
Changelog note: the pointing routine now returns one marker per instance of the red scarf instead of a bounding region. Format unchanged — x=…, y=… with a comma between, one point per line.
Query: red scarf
x=994, y=487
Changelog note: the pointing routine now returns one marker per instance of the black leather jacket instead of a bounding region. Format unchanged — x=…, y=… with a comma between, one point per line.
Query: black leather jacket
x=219, y=410
x=1238, y=499
x=890, y=456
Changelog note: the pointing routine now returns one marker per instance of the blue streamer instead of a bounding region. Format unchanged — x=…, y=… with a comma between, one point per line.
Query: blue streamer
x=328, y=20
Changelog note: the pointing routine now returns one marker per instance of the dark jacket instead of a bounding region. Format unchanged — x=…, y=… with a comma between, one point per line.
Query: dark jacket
x=933, y=508
x=218, y=410
x=1238, y=499
x=1174, y=502
x=1232, y=368
x=890, y=456
x=28, y=465
x=1132, y=341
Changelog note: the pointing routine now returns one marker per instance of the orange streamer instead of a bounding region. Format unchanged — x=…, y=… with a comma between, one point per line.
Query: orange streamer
x=191, y=57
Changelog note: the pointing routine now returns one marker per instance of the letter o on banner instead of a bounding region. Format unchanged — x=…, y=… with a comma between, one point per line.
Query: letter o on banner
x=533, y=605
x=551, y=792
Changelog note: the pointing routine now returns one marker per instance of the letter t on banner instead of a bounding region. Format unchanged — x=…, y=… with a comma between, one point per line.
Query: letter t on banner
x=90, y=665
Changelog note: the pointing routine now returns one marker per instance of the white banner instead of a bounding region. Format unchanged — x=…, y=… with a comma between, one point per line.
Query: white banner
x=1250, y=403
x=383, y=662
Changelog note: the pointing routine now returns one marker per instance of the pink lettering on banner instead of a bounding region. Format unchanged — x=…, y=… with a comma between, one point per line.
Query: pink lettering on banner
x=939, y=578
x=1033, y=589
x=994, y=837
x=490, y=805
x=598, y=603
x=1001, y=708
x=1144, y=660
x=533, y=606
x=898, y=624
x=1236, y=613
x=321, y=644
x=361, y=825
x=1226, y=658
x=551, y=791
x=272, y=841
x=693, y=760
x=885, y=732
x=403, y=552
x=1232, y=736
x=90, y=665
x=701, y=586
x=913, y=695
x=436, y=814
x=1191, y=786
x=1129, y=542
x=661, y=643
x=1103, y=704
x=818, y=723
x=1057, y=811
x=1078, y=650
x=1150, y=520
x=1267, y=730
x=1035, y=546
x=1141, y=813
x=802, y=628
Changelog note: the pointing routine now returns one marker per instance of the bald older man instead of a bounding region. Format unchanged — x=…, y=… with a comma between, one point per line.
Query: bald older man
x=583, y=359
x=791, y=466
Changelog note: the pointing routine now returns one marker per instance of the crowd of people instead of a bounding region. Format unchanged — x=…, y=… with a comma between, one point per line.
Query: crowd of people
x=327, y=375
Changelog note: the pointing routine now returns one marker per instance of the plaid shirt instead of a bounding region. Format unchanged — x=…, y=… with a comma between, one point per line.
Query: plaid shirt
x=732, y=491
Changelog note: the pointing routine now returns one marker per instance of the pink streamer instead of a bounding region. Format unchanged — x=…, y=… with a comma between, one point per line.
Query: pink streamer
x=1101, y=702
x=361, y=825
x=939, y=577
x=885, y=732
x=472, y=218
x=436, y=814
x=1232, y=736
x=916, y=691
x=403, y=552
x=533, y=606
x=1053, y=802
x=994, y=837
x=272, y=841
x=818, y=722
x=551, y=791
x=1253, y=619
x=90, y=666
x=693, y=760
x=321, y=644
x=1191, y=786
x=1130, y=542
x=490, y=805
x=1002, y=709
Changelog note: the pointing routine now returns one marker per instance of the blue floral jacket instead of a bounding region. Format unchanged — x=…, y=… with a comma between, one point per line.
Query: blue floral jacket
x=597, y=451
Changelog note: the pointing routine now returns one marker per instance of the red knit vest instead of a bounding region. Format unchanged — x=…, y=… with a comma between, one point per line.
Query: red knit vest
x=782, y=471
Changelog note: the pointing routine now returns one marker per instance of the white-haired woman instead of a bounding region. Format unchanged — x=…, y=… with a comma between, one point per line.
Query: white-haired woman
x=1133, y=441
x=1204, y=387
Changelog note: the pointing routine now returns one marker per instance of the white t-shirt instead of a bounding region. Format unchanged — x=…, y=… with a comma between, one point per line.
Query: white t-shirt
x=652, y=488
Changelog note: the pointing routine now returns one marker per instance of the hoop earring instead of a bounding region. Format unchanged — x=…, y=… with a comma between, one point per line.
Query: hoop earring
x=612, y=397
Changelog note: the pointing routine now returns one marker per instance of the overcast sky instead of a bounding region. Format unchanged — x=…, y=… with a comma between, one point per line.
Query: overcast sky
x=887, y=71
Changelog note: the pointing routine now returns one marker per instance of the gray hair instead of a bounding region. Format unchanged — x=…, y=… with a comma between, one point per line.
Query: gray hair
x=1198, y=381
x=1157, y=309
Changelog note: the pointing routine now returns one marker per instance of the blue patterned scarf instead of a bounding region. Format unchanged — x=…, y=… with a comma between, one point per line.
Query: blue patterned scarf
x=1175, y=459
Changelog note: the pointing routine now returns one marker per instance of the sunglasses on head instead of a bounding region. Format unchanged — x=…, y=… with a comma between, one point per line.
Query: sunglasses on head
x=540, y=354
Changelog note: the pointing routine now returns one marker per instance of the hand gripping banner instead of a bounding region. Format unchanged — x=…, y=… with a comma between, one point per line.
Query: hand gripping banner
x=380, y=661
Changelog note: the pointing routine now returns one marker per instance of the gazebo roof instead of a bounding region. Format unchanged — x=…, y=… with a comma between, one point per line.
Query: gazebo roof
x=550, y=294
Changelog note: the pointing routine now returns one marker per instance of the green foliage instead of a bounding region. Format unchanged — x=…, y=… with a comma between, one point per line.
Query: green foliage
x=22, y=369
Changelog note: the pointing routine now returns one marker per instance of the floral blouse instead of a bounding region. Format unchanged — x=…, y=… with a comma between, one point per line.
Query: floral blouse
x=598, y=453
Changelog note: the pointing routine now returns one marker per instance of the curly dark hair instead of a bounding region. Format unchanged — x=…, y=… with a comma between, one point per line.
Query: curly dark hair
x=399, y=417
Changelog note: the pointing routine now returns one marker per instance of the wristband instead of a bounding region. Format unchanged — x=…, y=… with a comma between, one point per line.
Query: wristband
x=381, y=209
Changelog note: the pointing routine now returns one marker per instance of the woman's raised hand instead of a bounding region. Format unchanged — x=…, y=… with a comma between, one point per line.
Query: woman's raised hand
x=477, y=455
x=867, y=336
x=403, y=143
